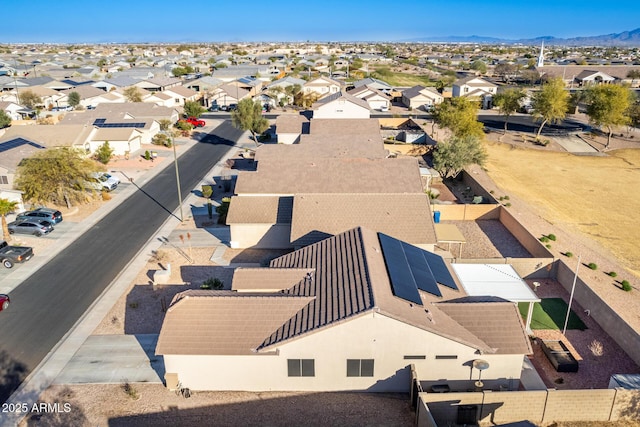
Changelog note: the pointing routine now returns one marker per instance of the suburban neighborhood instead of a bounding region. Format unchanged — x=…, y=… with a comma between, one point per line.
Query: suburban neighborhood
x=380, y=233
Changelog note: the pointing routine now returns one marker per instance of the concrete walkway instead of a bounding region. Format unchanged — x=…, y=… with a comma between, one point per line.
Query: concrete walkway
x=574, y=144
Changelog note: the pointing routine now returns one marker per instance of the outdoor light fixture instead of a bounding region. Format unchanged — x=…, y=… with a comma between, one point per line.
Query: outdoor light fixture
x=480, y=365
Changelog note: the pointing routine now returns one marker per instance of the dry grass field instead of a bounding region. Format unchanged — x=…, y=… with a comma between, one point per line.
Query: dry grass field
x=595, y=195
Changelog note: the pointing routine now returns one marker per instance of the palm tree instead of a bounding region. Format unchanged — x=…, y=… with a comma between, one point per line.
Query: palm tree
x=6, y=207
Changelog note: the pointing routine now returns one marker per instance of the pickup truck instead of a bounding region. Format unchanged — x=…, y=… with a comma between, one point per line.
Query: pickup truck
x=9, y=255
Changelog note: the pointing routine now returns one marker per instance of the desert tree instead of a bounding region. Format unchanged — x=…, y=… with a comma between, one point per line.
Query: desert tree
x=133, y=94
x=460, y=116
x=55, y=175
x=508, y=102
x=608, y=105
x=248, y=116
x=550, y=104
x=6, y=207
x=104, y=153
x=193, y=109
x=5, y=120
x=451, y=156
x=29, y=99
x=74, y=99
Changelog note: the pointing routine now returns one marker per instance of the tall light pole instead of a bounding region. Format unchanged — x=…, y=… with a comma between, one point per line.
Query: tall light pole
x=573, y=289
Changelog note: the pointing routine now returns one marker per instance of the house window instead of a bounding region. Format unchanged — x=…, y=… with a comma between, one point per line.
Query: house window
x=415, y=357
x=466, y=90
x=301, y=367
x=359, y=367
x=446, y=357
x=4, y=179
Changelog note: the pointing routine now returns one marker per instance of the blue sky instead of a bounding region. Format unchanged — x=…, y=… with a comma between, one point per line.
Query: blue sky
x=74, y=21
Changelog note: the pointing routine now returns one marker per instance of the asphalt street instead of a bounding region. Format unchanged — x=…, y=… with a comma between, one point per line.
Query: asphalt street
x=48, y=303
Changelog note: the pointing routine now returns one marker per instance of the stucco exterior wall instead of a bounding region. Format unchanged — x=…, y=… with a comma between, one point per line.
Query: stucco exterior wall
x=341, y=109
x=371, y=336
x=288, y=138
x=261, y=236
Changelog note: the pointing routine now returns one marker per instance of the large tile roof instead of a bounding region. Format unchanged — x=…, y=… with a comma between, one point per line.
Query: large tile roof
x=290, y=123
x=330, y=282
x=224, y=322
x=313, y=147
x=315, y=216
x=332, y=175
x=357, y=127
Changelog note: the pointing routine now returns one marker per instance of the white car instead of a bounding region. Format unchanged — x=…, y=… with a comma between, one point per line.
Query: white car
x=105, y=181
x=384, y=108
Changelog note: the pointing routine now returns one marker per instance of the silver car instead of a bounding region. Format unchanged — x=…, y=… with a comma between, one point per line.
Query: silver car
x=31, y=226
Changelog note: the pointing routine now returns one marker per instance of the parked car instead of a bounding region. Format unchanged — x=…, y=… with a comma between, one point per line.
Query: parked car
x=107, y=182
x=4, y=301
x=384, y=108
x=10, y=255
x=232, y=107
x=214, y=108
x=52, y=215
x=195, y=122
x=30, y=226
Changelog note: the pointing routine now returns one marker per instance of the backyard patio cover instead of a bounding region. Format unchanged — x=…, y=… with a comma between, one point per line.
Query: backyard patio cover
x=497, y=280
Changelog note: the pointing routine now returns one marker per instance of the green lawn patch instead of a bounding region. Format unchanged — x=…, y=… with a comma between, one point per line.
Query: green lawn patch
x=550, y=313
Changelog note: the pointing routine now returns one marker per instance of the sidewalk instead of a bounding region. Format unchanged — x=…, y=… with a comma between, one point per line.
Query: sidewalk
x=53, y=364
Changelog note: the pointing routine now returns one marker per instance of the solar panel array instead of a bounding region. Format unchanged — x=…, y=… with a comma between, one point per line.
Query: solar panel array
x=17, y=142
x=411, y=268
x=101, y=124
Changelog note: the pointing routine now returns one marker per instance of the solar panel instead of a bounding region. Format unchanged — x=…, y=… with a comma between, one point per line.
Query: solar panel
x=403, y=284
x=97, y=122
x=440, y=270
x=101, y=124
x=17, y=142
x=420, y=270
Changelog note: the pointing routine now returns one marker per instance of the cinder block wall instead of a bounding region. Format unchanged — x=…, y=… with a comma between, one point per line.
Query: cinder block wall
x=579, y=405
x=505, y=407
x=610, y=321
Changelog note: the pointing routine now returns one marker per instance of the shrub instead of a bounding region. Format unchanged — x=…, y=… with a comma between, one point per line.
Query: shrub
x=612, y=273
x=212, y=283
x=161, y=139
x=548, y=246
x=544, y=239
x=104, y=153
x=222, y=210
x=207, y=191
x=147, y=155
x=506, y=197
x=552, y=237
x=507, y=205
x=106, y=196
x=184, y=125
x=568, y=254
x=626, y=286
x=593, y=266
x=130, y=390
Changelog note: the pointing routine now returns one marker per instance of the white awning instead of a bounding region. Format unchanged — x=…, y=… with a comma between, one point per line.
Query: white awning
x=498, y=280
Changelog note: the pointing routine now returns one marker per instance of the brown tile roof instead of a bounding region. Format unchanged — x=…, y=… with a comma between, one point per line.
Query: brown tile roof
x=359, y=127
x=224, y=322
x=499, y=324
x=567, y=71
x=260, y=210
x=315, y=216
x=290, y=123
x=330, y=175
x=351, y=278
x=343, y=96
x=267, y=279
x=312, y=147
x=50, y=136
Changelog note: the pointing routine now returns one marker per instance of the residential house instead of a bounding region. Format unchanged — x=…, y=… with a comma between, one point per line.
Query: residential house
x=376, y=99
x=475, y=88
x=372, y=83
x=13, y=149
x=321, y=87
x=352, y=312
x=159, y=84
x=341, y=105
x=15, y=111
x=420, y=97
x=181, y=95
x=227, y=95
x=119, y=82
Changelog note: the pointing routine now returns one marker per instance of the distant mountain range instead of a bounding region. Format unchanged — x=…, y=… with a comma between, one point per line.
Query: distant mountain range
x=626, y=38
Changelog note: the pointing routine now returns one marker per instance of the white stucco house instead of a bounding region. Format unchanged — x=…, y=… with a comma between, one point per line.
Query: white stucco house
x=475, y=88
x=341, y=105
x=351, y=312
x=421, y=97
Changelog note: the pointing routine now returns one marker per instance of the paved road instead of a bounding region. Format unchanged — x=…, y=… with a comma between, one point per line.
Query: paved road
x=47, y=304
x=526, y=123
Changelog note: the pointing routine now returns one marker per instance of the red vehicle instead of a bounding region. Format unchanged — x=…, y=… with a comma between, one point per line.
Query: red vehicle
x=4, y=301
x=196, y=122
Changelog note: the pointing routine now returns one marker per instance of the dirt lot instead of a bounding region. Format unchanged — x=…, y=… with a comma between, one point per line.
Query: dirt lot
x=592, y=195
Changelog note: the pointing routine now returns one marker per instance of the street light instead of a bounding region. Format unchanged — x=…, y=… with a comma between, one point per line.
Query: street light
x=175, y=161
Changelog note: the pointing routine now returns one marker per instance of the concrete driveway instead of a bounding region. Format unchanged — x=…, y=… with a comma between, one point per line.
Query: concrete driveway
x=114, y=359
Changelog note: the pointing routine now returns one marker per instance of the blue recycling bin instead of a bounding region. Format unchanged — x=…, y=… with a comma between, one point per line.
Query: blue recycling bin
x=436, y=216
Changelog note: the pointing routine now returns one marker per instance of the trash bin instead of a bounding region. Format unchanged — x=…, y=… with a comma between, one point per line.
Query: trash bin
x=436, y=216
